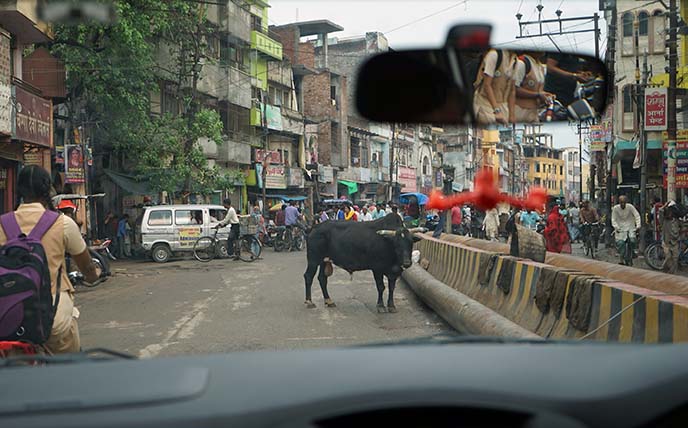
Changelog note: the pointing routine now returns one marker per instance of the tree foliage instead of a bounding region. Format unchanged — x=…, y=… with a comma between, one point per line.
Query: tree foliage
x=112, y=72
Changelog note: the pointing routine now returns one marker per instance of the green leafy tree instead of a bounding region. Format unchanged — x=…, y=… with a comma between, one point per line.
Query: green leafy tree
x=112, y=70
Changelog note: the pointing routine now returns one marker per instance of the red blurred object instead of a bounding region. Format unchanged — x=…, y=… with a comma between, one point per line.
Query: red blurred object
x=66, y=204
x=486, y=196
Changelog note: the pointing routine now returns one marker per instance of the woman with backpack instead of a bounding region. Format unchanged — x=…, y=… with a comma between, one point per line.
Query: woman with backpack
x=494, y=92
x=47, y=319
x=529, y=78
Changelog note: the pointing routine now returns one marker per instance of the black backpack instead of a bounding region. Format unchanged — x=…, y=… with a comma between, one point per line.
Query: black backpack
x=474, y=66
x=27, y=310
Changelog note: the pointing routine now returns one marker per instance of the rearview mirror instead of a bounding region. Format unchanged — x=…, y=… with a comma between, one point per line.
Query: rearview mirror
x=483, y=86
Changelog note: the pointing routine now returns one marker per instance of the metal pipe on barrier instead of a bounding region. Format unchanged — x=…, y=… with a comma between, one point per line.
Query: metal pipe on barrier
x=460, y=311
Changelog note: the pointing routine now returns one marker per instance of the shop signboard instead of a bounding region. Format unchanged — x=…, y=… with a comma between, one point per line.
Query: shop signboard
x=74, y=166
x=655, y=109
x=3, y=178
x=275, y=177
x=407, y=179
x=33, y=118
x=59, y=155
x=681, y=158
x=273, y=156
x=597, y=138
x=326, y=174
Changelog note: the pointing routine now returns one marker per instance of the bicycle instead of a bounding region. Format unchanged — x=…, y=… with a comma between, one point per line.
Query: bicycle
x=590, y=232
x=627, y=252
x=246, y=248
x=654, y=254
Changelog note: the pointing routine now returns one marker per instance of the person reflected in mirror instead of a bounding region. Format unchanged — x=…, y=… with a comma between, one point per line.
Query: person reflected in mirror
x=494, y=91
x=529, y=80
x=563, y=72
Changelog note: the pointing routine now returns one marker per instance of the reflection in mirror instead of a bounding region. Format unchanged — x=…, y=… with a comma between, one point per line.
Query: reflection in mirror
x=533, y=86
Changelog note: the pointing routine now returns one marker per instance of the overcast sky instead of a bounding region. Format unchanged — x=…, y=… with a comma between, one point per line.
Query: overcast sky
x=402, y=23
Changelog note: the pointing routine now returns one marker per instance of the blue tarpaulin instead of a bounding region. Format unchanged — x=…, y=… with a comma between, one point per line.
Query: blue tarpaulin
x=404, y=198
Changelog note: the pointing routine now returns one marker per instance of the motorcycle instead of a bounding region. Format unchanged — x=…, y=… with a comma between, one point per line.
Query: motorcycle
x=102, y=247
x=580, y=109
x=431, y=221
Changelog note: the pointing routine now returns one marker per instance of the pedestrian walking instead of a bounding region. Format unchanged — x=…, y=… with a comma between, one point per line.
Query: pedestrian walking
x=626, y=223
x=491, y=224
x=456, y=220
x=323, y=216
x=124, y=236
x=231, y=219
x=556, y=233
x=574, y=222
x=670, y=236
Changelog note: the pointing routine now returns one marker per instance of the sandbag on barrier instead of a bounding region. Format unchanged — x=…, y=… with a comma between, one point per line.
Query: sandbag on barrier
x=506, y=274
x=487, y=265
x=579, y=302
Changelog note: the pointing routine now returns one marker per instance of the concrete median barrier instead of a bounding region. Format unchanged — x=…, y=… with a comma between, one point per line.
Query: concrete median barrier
x=545, y=300
x=459, y=310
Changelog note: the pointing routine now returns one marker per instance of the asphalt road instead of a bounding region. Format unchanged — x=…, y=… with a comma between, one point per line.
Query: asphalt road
x=187, y=307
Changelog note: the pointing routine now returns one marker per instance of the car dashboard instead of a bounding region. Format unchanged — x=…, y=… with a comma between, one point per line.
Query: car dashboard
x=569, y=384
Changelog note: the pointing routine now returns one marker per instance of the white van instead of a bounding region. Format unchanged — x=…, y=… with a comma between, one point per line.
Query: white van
x=168, y=230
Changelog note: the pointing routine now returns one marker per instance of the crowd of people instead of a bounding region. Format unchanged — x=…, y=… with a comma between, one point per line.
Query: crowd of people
x=348, y=211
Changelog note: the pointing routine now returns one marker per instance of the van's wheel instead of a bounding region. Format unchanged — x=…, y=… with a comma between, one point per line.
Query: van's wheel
x=161, y=253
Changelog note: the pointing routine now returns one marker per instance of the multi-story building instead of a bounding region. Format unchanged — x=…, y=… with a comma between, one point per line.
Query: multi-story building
x=26, y=100
x=572, y=172
x=649, y=23
x=365, y=142
x=323, y=95
x=459, y=153
x=545, y=165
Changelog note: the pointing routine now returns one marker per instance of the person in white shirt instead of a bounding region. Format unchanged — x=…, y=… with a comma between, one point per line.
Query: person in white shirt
x=365, y=215
x=626, y=223
x=232, y=219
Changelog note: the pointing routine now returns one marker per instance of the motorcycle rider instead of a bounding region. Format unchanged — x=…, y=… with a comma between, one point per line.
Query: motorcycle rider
x=34, y=188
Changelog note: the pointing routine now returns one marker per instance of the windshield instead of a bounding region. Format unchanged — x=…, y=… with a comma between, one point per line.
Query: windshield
x=246, y=204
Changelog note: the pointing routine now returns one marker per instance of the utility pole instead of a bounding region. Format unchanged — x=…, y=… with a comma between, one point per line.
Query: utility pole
x=643, y=150
x=264, y=171
x=559, y=21
x=611, y=64
x=580, y=162
x=671, y=101
x=391, y=162
x=513, y=158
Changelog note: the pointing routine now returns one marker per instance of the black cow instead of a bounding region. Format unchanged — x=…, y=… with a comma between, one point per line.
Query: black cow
x=383, y=246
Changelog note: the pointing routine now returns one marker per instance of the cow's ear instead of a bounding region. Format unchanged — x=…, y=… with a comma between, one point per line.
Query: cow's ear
x=416, y=238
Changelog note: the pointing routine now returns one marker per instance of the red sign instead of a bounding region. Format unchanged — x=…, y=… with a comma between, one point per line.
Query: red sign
x=273, y=156
x=655, y=109
x=33, y=118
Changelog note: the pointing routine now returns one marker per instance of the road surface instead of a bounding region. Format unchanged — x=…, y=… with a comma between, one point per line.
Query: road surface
x=187, y=307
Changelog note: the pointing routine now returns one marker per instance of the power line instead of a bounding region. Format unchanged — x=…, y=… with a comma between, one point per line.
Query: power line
x=426, y=17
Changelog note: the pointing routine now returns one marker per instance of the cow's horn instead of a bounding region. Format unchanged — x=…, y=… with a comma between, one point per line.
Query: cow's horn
x=386, y=232
x=418, y=230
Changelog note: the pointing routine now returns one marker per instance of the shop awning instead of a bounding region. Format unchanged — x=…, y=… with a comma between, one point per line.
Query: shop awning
x=129, y=183
x=353, y=187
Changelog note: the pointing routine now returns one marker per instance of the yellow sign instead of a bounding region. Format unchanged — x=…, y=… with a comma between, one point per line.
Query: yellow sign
x=188, y=236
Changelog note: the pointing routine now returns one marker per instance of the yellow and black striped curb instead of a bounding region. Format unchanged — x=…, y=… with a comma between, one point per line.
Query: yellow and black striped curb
x=609, y=310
